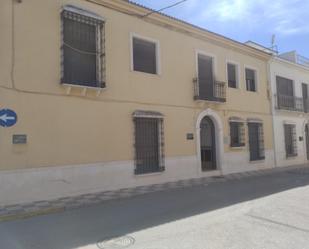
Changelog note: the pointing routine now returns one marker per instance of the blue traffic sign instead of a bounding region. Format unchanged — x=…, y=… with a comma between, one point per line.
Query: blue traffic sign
x=8, y=117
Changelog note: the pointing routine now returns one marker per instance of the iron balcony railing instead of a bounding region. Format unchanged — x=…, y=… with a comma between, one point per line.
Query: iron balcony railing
x=211, y=91
x=302, y=60
x=290, y=103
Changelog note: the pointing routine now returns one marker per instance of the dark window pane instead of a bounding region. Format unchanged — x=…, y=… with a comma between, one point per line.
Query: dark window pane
x=237, y=134
x=205, y=77
x=285, y=93
x=144, y=56
x=80, y=52
x=284, y=86
x=232, y=78
x=250, y=80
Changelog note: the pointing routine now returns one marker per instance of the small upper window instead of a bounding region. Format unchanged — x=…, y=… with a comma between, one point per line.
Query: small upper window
x=251, y=80
x=232, y=75
x=144, y=56
x=82, y=48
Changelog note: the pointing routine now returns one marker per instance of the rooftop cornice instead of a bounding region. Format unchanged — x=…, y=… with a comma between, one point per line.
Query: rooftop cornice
x=166, y=21
x=290, y=63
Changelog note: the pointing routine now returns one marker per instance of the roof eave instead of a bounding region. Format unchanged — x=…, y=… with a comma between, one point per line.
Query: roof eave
x=137, y=10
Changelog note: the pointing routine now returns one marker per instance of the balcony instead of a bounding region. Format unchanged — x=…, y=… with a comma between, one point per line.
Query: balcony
x=291, y=103
x=209, y=91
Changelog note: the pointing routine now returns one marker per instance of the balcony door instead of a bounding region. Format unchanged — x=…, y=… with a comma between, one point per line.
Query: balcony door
x=205, y=76
x=307, y=139
x=285, y=93
x=305, y=96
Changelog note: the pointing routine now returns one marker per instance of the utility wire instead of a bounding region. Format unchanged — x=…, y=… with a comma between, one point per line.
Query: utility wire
x=13, y=45
x=165, y=8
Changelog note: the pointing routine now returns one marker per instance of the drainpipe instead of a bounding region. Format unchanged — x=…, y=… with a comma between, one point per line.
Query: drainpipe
x=271, y=99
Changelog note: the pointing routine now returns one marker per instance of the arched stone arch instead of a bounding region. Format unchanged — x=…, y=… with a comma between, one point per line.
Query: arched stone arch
x=218, y=136
x=305, y=141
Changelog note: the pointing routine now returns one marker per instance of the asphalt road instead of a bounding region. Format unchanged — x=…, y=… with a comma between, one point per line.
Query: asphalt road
x=261, y=212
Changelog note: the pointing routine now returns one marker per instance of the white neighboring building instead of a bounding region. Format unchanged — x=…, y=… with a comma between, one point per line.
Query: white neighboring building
x=289, y=77
x=289, y=86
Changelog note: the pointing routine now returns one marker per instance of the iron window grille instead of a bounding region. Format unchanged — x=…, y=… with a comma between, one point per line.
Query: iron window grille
x=149, y=142
x=250, y=80
x=290, y=140
x=144, y=56
x=237, y=134
x=256, y=141
x=83, y=48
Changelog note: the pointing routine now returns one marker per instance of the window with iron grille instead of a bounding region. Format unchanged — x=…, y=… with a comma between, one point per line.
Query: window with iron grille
x=83, y=56
x=290, y=140
x=144, y=56
x=251, y=80
x=256, y=141
x=232, y=75
x=237, y=133
x=149, y=144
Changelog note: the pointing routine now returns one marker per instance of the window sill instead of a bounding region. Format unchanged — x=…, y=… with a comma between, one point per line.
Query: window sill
x=251, y=91
x=260, y=160
x=146, y=74
x=199, y=100
x=83, y=88
x=233, y=88
x=291, y=157
x=149, y=174
x=238, y=147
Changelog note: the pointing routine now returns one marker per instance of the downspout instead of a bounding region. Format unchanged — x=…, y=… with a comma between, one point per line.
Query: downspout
x=272, y=104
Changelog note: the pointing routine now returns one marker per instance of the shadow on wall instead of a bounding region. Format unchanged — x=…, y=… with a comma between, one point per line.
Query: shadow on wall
x=87, y=226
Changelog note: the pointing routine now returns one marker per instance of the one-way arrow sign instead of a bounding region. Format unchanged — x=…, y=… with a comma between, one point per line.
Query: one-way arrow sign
x=8, y=118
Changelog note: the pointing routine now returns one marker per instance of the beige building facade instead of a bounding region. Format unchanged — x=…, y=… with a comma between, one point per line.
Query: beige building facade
x=145, y=115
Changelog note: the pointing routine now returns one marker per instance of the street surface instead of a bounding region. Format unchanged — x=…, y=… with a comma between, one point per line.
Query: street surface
x=261, y=212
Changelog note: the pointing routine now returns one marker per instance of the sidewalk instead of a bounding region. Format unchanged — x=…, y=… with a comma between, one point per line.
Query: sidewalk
x=28, y=210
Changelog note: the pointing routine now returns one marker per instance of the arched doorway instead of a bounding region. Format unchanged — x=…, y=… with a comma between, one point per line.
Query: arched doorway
x=208, y=144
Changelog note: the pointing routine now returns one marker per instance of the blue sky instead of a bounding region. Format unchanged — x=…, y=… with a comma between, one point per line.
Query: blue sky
x=244, y=20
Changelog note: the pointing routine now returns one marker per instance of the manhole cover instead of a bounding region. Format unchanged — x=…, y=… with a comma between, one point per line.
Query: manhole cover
x=116, y=243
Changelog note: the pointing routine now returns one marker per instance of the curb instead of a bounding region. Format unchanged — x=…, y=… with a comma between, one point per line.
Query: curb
x=27, y=215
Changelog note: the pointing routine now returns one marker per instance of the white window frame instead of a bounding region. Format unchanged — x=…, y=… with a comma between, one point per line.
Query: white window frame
x=237, y=65
x=158, y=52
x=256, y=78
